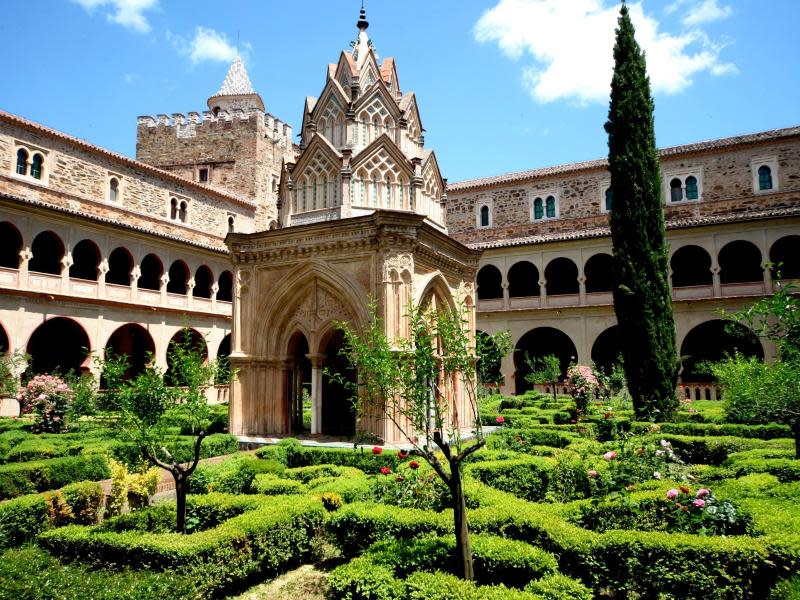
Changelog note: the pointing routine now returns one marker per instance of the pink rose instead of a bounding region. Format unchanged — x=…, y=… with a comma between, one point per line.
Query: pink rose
x=500, y=419
x=592, y=473
x=699, y=503
x=610, y=455
x=702, y=493
x=672, y=494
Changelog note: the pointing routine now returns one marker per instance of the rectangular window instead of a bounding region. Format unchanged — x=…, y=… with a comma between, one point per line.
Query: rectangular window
x=203, y=175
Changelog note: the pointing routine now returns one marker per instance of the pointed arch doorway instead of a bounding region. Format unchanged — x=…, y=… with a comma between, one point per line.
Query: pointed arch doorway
x=299, y=384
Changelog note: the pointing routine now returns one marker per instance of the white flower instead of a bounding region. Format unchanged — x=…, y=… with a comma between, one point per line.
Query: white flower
x=664, y=443
x=659, y=452
x=656, y=475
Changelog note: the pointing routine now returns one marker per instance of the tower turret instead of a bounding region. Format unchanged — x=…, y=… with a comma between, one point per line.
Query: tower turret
x=236, y=92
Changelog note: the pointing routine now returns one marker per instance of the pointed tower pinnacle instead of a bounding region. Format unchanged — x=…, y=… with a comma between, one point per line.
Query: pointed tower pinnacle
x=362, y=43
x=236, y=91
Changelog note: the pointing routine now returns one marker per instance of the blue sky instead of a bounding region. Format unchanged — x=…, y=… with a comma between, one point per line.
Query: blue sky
x=503, y=85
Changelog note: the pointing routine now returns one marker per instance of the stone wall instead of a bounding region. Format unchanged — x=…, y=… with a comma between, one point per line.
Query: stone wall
x=76, y=178
x=727, y=187
x=243, y=152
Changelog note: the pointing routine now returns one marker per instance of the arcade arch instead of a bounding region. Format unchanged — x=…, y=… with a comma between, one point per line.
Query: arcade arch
x=599, y=272
x=10, y=245
x=784, y=255
x=712, y=341
x=537, y=343
x=490, y=283
x=561, y=275
x=691, y=266
x=740, y=262
x=135, y=342
x=523, y=280
x=59, y=345
x=48, y=251
x=607, y=349
x=85, y=260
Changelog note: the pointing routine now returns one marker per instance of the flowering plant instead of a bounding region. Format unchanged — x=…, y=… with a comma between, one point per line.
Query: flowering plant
x=583, y=382
x=411, y=488
x=47, y=397
x=702, y=513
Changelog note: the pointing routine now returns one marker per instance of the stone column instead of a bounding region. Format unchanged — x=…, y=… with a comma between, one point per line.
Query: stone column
x=543, y=292
x=102, y=270
x=506, y=296
x=715, y=280
x=582, y=289
x=767, y=278
x=190, y=292
x=507, y=369
x=317, y=364
x=66, y=263
x=163, y=290
x=25, y=257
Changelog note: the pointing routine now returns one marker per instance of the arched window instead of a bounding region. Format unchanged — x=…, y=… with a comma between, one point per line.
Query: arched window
x=173, y=208
x=764, y=178
x=113, y=189
x=85, y=259
x=691, y=188
x=551, y=207
x=336, y=191
x=608, y=199
x=675, y=190
x=37, y=166
x=10, y=246
x=305, y=192
x=183, y=212
x=400, y=199
x=178, y=278
x=740, y=262
x=22, y=162
x=374, y=191
x=484, y=216
x=538, y=209
x=561, y=275
x=203, y=280
x=230, y=223
x=314, y=195
x=324, y=191
x=523, y=280
x=691, y=266
x=489, y=282
x=120, y=265
x=784, y=256
x=599, y=273
x=388, y=192
x=151, y=272
x=225, y=283
x=48, y=250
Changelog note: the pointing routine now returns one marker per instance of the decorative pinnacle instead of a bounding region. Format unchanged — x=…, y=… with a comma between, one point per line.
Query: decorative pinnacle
x=236, y=82
x=362, y=19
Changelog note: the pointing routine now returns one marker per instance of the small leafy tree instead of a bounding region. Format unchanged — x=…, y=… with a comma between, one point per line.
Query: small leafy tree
x=11, y=365
x=545, y=370
x=756, y=392
x=413, y=384
x=491, y=348
x=145, y=402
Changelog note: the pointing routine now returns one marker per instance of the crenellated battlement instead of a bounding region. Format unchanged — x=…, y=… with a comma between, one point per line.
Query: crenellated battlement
x=276, y=129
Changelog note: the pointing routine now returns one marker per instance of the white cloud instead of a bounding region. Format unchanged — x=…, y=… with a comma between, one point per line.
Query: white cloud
x=571, y=44
x=207, y=45
x=707, y=11
x=128, y=13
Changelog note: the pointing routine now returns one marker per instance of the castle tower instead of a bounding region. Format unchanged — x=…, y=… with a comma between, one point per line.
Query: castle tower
x=363, y=147
x=235, y=145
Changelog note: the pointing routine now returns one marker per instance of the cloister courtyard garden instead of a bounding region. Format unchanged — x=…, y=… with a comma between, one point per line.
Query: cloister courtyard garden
x=571, y=497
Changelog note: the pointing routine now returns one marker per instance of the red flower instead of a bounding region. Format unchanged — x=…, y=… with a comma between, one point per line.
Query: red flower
x=607, y=415
x=403, y=454
x=377, y=450
x=399, y=478
x=685, y=489
x=500, y=419
x=414, y=464
x=385, y=470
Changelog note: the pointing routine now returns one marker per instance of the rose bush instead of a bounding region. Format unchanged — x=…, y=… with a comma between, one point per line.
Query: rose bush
x=47, y=397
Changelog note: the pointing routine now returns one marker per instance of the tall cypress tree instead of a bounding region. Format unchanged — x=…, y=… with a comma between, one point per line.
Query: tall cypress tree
x=641, y=293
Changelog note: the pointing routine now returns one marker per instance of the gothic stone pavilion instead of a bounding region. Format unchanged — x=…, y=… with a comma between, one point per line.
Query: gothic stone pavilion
x=362, y=216
x=101, y=251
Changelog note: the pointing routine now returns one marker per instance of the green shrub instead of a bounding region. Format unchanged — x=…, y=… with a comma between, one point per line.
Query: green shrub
x=291, y=453
x=85, y=500
x=527, y=478
x=18, y=479
x=361, y=579
x=22, y=519
x=30, y=573
x=272, y=485
x=775, y=462
x=359, y=489
x=712, y=450
x=761, y=432
x=268, y=534
x=444, y=586
x=231, y=476
x=557, y=586
x=788, y=589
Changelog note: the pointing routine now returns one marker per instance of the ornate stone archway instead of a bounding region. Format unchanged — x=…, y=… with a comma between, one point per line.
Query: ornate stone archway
x=302, y=280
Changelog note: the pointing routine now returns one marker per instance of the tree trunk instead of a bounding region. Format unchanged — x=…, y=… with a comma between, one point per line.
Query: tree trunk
x=180, y=497
x=555, y=393
x=463, y=545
